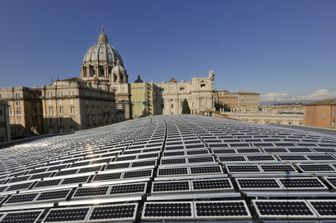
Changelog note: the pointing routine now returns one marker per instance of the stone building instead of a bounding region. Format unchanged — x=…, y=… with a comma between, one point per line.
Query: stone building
x=260, y=117
x=321, y=114
x=199, y=93
x=103, y=68
x=239, y=101
x=5, y=135
x=72, y=104
x=146, y=99
x=25, y=110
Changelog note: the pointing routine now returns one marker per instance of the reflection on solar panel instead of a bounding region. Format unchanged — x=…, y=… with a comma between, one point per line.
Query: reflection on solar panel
x=175, y=169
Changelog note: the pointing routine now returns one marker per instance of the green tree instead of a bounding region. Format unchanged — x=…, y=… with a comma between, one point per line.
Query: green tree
x=185, y=107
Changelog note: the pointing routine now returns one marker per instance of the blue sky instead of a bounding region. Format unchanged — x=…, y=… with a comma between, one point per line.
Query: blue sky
x=266, y=46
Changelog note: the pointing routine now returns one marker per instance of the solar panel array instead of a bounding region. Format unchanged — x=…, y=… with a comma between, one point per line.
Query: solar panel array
x=171, y=168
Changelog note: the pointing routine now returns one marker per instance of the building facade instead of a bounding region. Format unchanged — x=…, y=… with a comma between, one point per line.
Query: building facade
x=321, y=114
x=71, y=105
x=25, y=110
x=5, y=135
x=267, y=118
x=146, y=99
x=199, y=93
x=103, y=68
x=239, y=101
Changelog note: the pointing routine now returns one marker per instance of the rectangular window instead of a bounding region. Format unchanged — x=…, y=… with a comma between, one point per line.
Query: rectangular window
x=50, y=110
x=17, y=103
x=1, y=112
x=18, y=111
x=72, y=109
x=60, y=110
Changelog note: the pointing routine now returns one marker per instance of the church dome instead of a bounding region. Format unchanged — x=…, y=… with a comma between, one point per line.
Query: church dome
x=102, y=53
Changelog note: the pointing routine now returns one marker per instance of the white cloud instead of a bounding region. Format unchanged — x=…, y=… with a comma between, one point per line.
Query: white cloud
x=315, y=95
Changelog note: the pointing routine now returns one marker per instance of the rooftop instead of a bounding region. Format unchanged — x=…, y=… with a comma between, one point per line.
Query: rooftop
x=174, y=168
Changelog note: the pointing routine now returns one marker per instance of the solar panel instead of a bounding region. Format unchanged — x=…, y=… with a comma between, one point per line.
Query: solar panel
x=67, y=214
x=170, y=186
x=316, y=168
x=173, y=171
x=19, y=186
x=107, y=177
x=206, y=159
x=324, y=208
x=144, y=163
x=221, y=210
x=167, y=210
x=137, y=174
x=90, y=191
x=22, y=216
x=277, y=168
x=135, y=188
x=302, y=183
x=47, y=183
x=119, y=212
x=210, y=184
x=173, y=161
x=90, y=169
x=53, y=195
x=288, y=209
x=205, y=170
x=75, y=180
x=243, y=168
x=20, y=198
x=258, y=184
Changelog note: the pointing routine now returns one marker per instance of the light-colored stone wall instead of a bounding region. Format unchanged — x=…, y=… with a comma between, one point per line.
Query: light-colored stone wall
x=199, y=93
x=239, y=101
x=25, y=110
x=71, y=105
x=146, y=99
x=267, y=118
